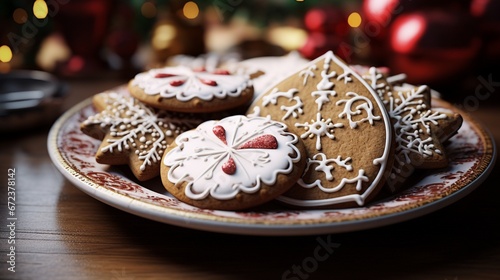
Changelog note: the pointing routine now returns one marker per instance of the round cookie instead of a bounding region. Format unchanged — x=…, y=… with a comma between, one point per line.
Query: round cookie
x=233, y=164
x=183, y=89
x=344, y=126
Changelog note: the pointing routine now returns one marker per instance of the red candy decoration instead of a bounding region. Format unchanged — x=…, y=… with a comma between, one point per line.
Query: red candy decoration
x=177, y=83
x=221, y=72
x=229, y=167
x=266, y=141
x=164, y=75
x=220, y=132
x=211, y=83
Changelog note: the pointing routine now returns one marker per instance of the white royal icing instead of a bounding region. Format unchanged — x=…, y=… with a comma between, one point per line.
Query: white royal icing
x=184, y=83
x=129, y=123
x=223, y=158
x=323, y=127
x=407, y=108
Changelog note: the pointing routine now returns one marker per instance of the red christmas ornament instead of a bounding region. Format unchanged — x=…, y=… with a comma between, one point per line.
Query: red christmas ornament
x=326, y=20
x=487, y=12
x=327, y=27
x=432, y=46
x=123, y=42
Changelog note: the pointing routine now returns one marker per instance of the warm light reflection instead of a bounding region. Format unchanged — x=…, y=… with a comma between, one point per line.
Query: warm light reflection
x=191, y=10
x=163, y=35
x=20, y=16
x=53, y=50
x=40, y=9
x=5, y=54
x=148, y=10
x=289, y=38
x=407, y=32
x=354, y=20
x=379, y=10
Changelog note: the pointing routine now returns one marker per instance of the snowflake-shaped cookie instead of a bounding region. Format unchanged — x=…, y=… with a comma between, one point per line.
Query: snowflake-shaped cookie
x=420, y=130
x=133, y=133
x=236, y=155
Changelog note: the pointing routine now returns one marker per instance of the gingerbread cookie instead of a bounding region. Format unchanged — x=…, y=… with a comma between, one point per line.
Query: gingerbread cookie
x=233, y=164
x=183, y=89
x=133, y=133
x=420, y=130
x=344, y=126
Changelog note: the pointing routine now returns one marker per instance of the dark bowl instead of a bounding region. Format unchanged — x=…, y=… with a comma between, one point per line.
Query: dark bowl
x=29, y=98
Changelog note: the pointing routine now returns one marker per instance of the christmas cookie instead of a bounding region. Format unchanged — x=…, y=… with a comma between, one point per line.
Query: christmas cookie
x=233, y=164
x=183, y=89
x=420, y=130
x=133, y=133
x=344, y=126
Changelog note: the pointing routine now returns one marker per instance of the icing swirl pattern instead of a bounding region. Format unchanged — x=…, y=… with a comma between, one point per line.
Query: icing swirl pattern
x=233, y=155
x=184, y=83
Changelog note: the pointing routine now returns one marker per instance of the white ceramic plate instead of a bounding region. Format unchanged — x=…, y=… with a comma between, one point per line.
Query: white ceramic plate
x=471, y=151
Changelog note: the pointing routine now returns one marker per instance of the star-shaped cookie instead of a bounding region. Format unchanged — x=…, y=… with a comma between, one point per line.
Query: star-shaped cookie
x=133, y=133
x=420, y=130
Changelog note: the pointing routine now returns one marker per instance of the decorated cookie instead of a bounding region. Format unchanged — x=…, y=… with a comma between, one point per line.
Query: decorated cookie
x=183, y=89
x=233, y=164
x=133, y=133
x=420, y=130
x=344, y=126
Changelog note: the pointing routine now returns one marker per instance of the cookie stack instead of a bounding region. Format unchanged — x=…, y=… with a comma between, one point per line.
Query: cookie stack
x=328, y=135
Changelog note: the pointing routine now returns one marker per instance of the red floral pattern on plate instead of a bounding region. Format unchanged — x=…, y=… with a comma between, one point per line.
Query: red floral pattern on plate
x=466, y=151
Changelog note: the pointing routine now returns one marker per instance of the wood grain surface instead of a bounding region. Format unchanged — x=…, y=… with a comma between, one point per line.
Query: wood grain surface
x=62, y=233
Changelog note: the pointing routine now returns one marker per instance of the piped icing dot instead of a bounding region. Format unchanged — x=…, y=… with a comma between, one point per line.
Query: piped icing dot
x=220, y=132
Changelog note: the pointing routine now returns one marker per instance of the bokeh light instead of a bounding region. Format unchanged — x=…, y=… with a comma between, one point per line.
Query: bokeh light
x=163, y=36
x=354, y=20
x=191, y=10
x=5, y=54
x=407, y=32
x=289, y=38
x=148, y=9
x=20, y=16
x=40, y=9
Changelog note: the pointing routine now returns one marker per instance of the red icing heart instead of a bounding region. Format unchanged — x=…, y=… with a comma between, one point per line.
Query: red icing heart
x=229, y=167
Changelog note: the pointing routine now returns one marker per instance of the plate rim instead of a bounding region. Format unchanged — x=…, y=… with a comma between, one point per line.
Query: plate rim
x=203, y=221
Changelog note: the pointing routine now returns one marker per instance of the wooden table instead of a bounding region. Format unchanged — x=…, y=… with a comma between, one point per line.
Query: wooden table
x=62, y=233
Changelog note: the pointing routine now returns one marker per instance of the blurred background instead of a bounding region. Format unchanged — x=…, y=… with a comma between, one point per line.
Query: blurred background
x=453, y=46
